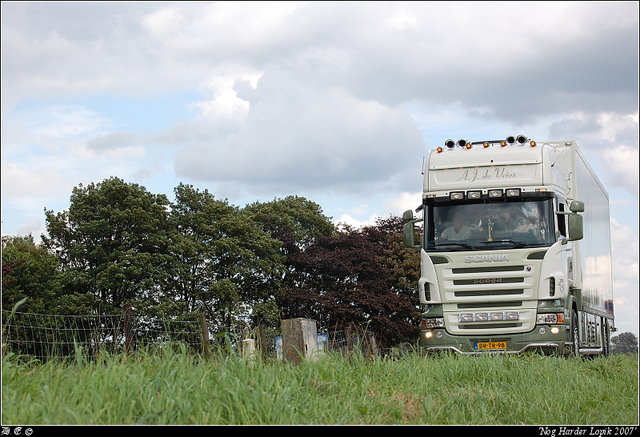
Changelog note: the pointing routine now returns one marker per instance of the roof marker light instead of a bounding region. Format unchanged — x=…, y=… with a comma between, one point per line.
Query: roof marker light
x=532, y=143
x=485, y=144
x=513, y=192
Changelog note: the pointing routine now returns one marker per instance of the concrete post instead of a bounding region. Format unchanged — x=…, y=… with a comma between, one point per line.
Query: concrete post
x=299, y=340
x=249, y=351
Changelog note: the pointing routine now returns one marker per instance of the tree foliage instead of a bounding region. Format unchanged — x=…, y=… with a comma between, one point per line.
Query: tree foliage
x=119, y=244
x=29, y=270
x=224, y=262
x=349, y=278
x=112, y=242
x=625, y=343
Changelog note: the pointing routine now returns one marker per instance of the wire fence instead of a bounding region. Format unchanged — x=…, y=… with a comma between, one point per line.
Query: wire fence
x=43, y=336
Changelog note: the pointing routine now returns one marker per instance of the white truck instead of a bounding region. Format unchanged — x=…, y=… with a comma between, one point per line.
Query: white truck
x=515, y=249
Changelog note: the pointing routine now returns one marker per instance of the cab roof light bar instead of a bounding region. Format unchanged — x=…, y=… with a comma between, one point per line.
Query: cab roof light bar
x=509, y=141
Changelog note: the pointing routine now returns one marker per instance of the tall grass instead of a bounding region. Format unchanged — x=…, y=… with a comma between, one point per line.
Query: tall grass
x=173, y=388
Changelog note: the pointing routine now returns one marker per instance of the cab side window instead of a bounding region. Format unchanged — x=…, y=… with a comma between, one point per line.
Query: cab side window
x=562, y=220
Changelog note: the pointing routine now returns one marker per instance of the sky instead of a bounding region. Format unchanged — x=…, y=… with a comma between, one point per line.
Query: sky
x=338, y=102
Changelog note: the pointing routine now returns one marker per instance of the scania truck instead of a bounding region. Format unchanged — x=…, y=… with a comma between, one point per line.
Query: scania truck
x=515, y=248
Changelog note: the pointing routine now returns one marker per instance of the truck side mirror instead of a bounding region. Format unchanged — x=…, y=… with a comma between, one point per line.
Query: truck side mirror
x=576, y=231
x=408, y=231
x=576, y=206
x=409, y=235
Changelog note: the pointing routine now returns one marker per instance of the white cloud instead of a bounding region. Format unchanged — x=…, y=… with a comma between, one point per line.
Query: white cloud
x=348, y=220
x=622, y=163
x=17, y=182
x=225, y=102
x=33, y=227
x=339, y=142
x=397, y=206
x=624, y=245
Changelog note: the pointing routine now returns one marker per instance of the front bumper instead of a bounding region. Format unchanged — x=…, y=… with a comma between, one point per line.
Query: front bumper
x=541, y=338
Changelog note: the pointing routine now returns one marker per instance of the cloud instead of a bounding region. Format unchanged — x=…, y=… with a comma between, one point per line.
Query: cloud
x=347, y=220
x=560, y=58
x=611, y=140
x=623, y=164
x=17, y=182
x=404, y=202
x=624, y=244
x=284, y=142
x=112, y=140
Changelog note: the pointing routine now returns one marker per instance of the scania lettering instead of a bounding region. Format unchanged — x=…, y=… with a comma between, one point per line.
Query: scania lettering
x=515, y=249
x=485, y=258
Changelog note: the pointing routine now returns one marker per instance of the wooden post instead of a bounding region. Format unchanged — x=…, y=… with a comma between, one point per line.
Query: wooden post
x=299, y=340
x=205, y=336
x=263, y=341
x=372, y=347
x=128, y=334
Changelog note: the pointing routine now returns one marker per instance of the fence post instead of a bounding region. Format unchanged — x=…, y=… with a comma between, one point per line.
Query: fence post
x=128, y=335
x=205, y=336
x=263, y=341
x=372, y=347
x=249, y=351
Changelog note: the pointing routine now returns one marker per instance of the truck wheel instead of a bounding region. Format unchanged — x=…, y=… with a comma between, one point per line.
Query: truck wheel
x=575, y=335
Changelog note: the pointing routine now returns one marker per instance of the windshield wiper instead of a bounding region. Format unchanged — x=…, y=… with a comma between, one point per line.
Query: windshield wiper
x=501, y=241
x=466, y=246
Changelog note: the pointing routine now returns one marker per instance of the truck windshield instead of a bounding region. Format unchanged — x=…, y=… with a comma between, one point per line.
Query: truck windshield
x=488, y=225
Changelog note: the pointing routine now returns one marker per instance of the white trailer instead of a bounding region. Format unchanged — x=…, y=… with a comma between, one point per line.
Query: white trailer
x=515, y=249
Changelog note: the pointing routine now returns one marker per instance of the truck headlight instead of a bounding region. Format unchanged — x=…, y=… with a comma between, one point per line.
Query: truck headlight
x=512, y=315
x=547, y=319
x=437, y=322
x=466, y=318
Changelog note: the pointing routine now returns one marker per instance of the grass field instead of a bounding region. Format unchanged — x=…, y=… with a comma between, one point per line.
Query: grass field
x=178, y=389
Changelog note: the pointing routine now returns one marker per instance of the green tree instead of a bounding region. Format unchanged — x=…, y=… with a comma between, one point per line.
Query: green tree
x=402, y=261
x=29, y=270
x=295, y=222
x=292, y=218
x=226, y=264
x=348, y=278
x=625, y=343
x=112, y=242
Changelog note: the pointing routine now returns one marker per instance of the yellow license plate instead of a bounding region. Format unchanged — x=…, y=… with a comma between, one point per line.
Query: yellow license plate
x=491, y=345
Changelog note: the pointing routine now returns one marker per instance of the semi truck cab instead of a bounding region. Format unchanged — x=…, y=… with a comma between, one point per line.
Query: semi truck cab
x=506, y=265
